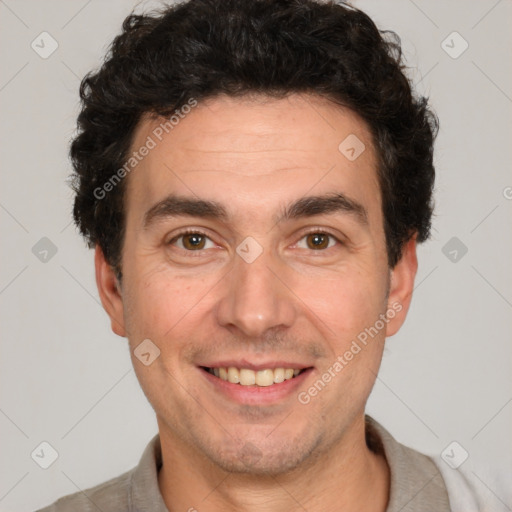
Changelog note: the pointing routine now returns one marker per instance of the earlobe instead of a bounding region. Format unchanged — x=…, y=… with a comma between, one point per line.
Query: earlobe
x=109, y=291
x=401, y=287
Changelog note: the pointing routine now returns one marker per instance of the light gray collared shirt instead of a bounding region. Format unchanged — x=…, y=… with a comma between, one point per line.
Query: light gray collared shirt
x=416, y=483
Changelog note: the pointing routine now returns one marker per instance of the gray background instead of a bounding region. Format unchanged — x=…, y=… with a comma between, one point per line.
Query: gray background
x=67, y=380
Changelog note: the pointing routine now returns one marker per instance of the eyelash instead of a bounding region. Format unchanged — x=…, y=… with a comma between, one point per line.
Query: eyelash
x=201, y=233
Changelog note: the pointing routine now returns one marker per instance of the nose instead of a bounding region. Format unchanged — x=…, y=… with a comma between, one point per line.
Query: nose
x=255, y=300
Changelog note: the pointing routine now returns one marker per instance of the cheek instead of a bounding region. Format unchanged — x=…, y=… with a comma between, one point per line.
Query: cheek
x=160, y=302
x=346, y=302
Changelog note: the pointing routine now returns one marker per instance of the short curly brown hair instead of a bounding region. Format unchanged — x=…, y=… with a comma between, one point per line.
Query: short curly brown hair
x=203, y=48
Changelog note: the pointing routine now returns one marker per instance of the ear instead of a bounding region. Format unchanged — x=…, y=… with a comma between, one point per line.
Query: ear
x=110, y=292
x=401, y=287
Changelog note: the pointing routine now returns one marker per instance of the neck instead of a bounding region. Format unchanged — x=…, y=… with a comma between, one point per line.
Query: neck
x=349, y=476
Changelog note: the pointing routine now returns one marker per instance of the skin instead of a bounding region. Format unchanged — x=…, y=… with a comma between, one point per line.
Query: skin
x=255, y=155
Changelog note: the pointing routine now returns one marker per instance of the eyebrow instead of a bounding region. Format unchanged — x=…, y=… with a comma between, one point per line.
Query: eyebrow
x=326, y=204
x=309, y=206
x=179, y=206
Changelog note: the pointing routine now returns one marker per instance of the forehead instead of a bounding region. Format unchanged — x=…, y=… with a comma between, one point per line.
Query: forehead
x=254, y=151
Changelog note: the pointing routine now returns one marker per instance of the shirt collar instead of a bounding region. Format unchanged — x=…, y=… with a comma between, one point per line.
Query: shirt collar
x=416, y=483
x=145, y=493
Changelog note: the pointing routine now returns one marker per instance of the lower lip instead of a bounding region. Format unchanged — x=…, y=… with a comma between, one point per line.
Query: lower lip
x=257, y=395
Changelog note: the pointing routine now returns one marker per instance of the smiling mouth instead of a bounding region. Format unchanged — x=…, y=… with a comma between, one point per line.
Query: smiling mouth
x=260, y=378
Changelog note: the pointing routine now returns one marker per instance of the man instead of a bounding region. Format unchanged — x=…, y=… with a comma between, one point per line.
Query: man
x=254, y=176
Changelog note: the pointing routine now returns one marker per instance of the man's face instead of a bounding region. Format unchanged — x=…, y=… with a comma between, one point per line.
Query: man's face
x=264, y=286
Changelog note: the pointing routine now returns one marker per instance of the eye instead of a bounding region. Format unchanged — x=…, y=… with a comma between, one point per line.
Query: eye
x=317, y=241
x=192, y=241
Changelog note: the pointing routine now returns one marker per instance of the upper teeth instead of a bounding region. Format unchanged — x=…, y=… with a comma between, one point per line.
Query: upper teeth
x=247, y=377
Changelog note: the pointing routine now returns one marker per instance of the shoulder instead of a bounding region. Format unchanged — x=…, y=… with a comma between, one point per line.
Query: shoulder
x=428, y=482
x=110, y=496
x=476, y=489
x=135, y=490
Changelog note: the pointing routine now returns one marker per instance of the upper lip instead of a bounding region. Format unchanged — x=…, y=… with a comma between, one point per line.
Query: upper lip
x=243, y=363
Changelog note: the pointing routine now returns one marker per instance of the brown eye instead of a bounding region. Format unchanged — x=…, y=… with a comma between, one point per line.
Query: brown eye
x=193, y=241
x=317, y=241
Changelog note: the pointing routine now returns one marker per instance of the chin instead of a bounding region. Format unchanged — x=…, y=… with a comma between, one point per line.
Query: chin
x=267, y=458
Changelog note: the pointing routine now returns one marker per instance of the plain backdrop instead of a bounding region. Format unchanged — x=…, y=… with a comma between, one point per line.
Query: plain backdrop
x=65, y=379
